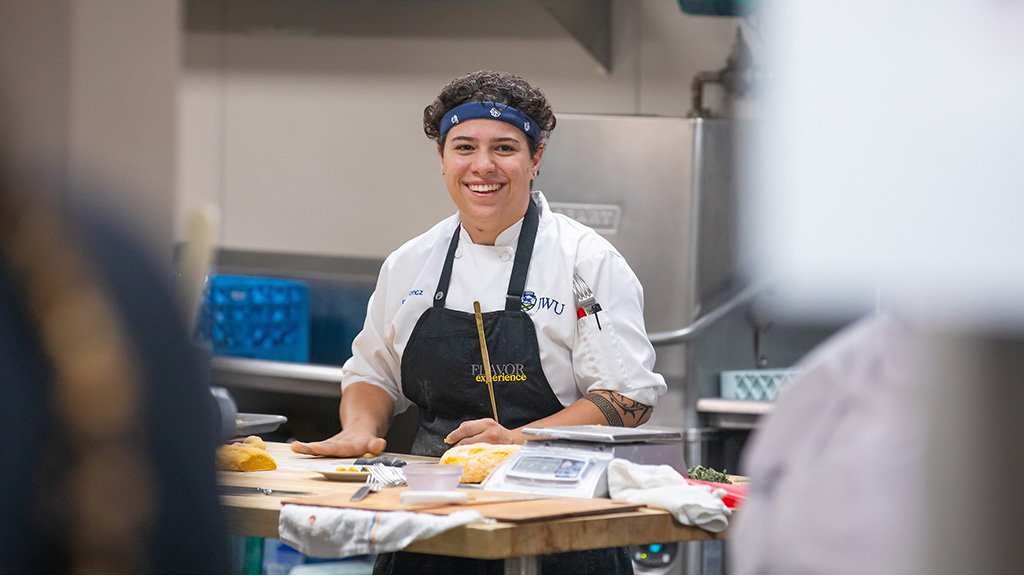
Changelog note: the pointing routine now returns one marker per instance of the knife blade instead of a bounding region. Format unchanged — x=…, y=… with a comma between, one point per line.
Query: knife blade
x=247, y=490
x=361, y=493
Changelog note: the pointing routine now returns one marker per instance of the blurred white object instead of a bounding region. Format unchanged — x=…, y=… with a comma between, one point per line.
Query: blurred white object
x=888, y=165
x=197, y=257
x=890, y=158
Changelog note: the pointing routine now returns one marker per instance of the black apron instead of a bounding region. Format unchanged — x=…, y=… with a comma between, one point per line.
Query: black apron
x=442, y=366
x=442, y=373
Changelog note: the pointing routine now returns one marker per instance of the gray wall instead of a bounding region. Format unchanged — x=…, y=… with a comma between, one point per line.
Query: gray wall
x=302, y=120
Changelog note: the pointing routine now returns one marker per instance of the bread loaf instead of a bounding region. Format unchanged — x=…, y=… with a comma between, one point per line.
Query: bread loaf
x=478, y=460
x=247, y=456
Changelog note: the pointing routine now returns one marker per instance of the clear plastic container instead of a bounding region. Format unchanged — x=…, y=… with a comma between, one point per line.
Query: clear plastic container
x=433, y=477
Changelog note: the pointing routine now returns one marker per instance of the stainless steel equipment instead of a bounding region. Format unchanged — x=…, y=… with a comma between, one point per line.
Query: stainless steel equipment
x=663, y=191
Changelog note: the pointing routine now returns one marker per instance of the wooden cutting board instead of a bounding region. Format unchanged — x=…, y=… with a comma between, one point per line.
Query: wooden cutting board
x=515, y=510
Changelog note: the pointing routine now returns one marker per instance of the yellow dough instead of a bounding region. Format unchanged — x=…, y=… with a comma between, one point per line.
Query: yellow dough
x=256, y=441
x=247, y=456
x=478, y=460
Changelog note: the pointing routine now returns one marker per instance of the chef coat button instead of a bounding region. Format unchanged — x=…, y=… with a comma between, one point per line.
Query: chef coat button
x=506, y=256
x=458, y=252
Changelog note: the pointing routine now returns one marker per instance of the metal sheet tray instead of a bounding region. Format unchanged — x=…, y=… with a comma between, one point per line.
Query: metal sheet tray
x=248, y=424
x=610, y=434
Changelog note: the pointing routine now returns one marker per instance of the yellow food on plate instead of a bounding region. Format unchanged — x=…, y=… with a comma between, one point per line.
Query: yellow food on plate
x=351, y=469
x=247, y=456
x=478, y=460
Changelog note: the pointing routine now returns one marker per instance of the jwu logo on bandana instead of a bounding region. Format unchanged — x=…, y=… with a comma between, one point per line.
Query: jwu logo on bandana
x=526, y=126
x=495, y=112
x=455, y=118
x=531, y=301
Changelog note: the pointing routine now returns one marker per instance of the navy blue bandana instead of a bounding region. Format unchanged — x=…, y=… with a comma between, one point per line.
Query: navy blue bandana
x=491, y=111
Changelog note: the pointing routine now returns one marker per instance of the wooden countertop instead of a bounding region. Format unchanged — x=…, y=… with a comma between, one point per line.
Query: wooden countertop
x=257, y=515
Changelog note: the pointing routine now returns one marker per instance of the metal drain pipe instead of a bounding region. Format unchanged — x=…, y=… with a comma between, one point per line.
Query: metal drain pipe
x=736, y=77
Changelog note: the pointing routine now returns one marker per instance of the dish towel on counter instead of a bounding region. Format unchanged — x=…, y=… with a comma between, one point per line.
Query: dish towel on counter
x=323, y=532
x=662, y=486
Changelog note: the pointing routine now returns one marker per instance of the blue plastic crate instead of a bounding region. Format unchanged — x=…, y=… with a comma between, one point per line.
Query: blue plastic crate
x=263, y=318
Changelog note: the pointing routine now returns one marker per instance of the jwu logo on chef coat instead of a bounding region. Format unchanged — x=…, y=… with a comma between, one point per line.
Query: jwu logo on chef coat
x=531, y=301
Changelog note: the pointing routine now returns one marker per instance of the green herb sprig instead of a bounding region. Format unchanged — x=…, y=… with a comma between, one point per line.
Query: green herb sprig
x=708, y=475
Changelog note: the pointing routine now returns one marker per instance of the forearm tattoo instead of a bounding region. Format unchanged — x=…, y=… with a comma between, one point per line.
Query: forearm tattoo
x=606, y=408
x=615, y=407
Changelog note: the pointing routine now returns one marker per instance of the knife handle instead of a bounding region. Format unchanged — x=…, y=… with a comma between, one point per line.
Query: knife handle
x=361, y=493
x=432, y=497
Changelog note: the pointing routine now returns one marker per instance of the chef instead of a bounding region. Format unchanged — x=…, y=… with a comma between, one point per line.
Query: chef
x=551, y=364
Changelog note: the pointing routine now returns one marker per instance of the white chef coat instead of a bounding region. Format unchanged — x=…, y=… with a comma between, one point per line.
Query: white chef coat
x=408, y=280
x=837, y=467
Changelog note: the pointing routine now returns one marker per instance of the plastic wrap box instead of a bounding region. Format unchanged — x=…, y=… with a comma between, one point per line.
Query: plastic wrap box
x=760, y=385
x=263, y=318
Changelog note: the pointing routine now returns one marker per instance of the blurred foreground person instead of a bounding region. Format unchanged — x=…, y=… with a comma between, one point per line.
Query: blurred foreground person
x=107, y=423
x=837, y=468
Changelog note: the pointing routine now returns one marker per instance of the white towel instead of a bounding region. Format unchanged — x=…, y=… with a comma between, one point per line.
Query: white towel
x=323, y=532
x=662, y=487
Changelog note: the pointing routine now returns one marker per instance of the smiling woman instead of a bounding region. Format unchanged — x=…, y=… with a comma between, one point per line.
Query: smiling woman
x=506, y=251
x=488, y=169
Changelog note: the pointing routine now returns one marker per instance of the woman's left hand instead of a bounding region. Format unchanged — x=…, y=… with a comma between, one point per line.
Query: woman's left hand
x=484, y=430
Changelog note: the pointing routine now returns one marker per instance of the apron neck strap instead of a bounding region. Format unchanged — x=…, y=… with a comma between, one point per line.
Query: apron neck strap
x=524, y=251
x=516, y=284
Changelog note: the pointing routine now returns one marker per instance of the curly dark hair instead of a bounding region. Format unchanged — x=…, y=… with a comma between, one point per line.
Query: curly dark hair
x=490, y=86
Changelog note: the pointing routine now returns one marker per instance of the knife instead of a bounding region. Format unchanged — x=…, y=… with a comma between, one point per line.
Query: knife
x=244, y=490
x=510, y=498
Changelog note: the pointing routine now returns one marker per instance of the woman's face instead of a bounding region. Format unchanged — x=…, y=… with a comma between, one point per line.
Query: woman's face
x=487, y=167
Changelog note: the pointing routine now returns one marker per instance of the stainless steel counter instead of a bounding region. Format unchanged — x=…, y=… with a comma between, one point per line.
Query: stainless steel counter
x=732, y=414
x=289, y=377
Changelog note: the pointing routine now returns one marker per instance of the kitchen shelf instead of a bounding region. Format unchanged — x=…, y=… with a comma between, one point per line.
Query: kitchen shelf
x=288, y=377
x=732, y=414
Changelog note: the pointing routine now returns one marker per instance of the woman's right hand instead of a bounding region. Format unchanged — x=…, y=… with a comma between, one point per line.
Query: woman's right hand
x=343, y=444
x=365, y=416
